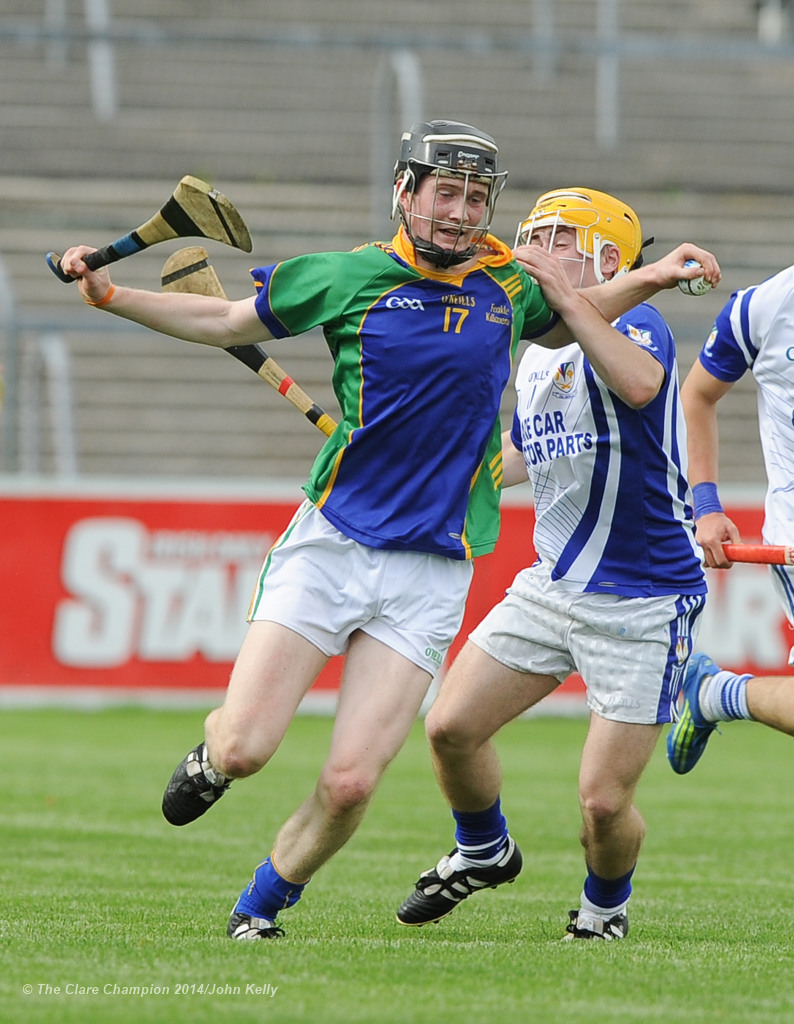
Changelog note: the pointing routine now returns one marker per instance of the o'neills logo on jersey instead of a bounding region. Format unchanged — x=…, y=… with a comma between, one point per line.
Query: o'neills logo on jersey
x=403, y=302
x=459, y=300
x=563, y=379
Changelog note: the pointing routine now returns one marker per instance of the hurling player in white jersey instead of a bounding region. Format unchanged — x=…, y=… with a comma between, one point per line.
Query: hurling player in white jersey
x=615, y=593
x=753, y=331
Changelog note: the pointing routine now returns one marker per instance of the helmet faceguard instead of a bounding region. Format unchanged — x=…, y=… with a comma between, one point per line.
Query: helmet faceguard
x=599, y=220
x=446, y=149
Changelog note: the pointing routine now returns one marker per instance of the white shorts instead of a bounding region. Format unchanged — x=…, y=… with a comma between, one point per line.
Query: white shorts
x=630, y=651
x=783, y=582
x=323, y=585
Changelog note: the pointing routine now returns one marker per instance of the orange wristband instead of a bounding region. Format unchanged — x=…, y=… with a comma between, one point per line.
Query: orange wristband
x=105, y=298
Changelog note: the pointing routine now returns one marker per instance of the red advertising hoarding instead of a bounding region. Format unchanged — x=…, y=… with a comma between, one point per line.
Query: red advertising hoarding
x=133, y=592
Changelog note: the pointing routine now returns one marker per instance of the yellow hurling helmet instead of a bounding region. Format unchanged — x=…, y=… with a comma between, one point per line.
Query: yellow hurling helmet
x=599, y=220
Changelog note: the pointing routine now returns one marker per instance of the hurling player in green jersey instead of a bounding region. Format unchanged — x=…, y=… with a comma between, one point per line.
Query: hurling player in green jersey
x=376, y=564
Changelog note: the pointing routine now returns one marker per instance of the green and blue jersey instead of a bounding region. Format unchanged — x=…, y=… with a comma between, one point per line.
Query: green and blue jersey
x=420, y=363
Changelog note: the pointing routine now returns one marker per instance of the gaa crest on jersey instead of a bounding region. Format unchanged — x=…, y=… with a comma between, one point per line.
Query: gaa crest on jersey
x=563, y=379
x=643, y=338
x=707, y=348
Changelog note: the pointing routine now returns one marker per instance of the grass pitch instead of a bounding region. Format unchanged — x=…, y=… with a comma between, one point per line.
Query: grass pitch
x=109, y=914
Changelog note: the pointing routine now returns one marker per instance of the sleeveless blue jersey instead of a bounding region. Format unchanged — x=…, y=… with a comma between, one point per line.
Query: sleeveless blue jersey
x=609, y=481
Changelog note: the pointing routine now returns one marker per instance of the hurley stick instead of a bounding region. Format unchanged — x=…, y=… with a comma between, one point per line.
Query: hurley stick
x=762, y=554
x=189, y=270
x=195, y=210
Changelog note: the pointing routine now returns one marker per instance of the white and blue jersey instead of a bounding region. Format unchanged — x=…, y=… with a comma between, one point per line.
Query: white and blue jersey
x=610, y=488
x=755, y=331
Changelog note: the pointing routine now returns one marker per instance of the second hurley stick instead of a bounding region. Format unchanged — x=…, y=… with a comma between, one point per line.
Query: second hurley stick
x=189, y=270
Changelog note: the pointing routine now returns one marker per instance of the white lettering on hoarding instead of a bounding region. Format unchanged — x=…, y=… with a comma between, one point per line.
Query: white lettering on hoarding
x=164, y=595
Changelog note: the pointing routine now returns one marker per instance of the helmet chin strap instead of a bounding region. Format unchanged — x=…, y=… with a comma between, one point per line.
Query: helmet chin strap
x=443, y=257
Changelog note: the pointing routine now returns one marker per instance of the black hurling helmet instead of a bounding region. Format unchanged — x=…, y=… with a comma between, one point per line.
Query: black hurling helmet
x=447, y=149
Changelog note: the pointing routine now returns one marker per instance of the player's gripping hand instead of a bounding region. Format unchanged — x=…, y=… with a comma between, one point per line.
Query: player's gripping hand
x=548, y=272
x=711, y=532
x=94, y=285
x=672, y=268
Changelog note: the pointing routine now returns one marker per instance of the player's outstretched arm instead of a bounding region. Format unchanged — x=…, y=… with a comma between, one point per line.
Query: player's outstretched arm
x=625, y=291
x=204, y=319
x=700, y=393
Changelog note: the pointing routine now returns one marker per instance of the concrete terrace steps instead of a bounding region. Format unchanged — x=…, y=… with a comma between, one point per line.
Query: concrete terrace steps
x=307, y=17
x=284, y=128
x=750, y=233
x=242, y=109
x=147, y=404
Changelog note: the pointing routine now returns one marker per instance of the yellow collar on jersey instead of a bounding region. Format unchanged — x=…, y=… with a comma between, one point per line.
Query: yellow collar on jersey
x=493, y=254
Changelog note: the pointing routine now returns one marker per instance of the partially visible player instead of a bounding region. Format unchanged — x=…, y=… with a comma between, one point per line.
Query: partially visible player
x=615, y=593
x=754, y=331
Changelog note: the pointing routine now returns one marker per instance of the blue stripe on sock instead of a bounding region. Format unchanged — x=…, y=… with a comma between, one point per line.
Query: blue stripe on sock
x=733, y=698
x=480, y=834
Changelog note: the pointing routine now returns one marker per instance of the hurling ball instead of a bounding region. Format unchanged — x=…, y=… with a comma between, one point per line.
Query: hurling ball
x=697, y=286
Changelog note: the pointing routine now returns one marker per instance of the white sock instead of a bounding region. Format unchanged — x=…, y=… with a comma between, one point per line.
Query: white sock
x=458, y=861
x=723, y=697
x=605, y=913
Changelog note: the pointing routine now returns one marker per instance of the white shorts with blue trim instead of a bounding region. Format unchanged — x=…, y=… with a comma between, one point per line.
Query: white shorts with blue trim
x=783, y=582
x=630, y=651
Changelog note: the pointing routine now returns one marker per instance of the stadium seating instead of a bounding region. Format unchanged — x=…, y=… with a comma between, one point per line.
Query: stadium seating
x=278, y=113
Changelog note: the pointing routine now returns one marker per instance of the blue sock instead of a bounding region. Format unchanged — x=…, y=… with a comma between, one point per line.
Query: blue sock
x=267, y=893
x=607, y=893
x=482, y=835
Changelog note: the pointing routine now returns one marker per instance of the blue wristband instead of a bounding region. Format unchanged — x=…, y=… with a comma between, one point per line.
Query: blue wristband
x=706, y=499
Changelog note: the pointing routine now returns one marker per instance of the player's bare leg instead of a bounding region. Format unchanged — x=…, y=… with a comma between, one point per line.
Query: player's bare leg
x=274, y=669
x=613, y=759
x=379, y=698
x=770, y=700
x=478, y=696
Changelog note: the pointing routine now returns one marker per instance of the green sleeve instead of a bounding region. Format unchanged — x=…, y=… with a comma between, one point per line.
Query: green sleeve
x=309, y=291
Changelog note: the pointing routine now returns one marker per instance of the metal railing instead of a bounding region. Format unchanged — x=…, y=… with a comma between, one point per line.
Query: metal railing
x=9, y=347
x=46, y=371
x=36, y=378
x=101, y=58
x=401, y=73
